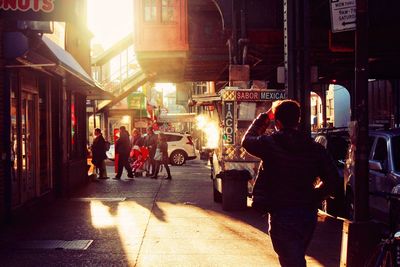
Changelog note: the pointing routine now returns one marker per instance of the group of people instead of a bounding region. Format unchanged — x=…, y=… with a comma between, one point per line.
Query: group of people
x=156, y=146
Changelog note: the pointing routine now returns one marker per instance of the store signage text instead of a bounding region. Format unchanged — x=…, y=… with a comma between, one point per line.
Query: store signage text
x=46, y=6
x=229, y=122
x=248, y=95
x=40, y=10
x=343, y=15
x=273, y=95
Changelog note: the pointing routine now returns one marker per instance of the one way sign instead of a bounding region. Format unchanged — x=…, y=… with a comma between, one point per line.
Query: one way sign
x=343, y=15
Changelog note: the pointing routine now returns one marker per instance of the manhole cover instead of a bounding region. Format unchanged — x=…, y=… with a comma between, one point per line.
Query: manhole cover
x=55, y=244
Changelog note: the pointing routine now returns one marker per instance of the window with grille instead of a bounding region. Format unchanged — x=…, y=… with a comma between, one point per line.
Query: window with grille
x=150, y=10
x=168, y=10
x=160, y=11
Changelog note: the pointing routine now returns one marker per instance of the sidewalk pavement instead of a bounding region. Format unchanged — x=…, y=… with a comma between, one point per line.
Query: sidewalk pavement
x=147, y=222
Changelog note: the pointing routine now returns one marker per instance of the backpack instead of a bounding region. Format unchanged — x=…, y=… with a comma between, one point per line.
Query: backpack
x=107, y=145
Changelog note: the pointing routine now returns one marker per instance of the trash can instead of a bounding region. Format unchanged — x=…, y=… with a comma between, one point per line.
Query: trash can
x=234, y=189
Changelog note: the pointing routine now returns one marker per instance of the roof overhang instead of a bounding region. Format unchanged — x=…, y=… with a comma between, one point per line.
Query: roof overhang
x=39, y=52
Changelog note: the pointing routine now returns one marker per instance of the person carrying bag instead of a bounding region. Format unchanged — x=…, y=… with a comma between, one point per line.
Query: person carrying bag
x=161, y=157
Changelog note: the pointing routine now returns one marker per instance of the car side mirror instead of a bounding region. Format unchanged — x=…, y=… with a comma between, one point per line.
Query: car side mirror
x=375, y=165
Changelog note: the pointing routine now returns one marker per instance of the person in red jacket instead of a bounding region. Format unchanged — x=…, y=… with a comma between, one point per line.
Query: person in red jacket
x=285, y=187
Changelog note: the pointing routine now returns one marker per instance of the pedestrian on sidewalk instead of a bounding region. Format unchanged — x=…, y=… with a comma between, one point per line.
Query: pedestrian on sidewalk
x=122, y=148
x=161, y=157
x=136, y=138
x=285, y=187
x=151, y=143
x=99, y=153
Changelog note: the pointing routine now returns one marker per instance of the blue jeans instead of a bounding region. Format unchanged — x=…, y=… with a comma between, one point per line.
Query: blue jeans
x=291, y=231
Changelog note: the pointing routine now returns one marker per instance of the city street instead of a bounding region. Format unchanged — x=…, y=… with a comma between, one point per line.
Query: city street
x=147, y=222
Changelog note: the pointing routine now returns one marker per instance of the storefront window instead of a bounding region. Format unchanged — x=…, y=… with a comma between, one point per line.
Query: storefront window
x=14, y=133
x=93, y=122
x=73, y=126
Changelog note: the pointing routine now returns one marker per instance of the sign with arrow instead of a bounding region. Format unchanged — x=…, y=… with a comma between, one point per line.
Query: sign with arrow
x=343, y=15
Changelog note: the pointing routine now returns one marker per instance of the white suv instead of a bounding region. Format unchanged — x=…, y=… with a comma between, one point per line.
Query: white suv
x=180, y=148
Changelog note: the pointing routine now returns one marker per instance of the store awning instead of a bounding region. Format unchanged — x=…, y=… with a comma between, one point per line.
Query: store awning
x=177, y=117
x=42, y=53
x=205, y=99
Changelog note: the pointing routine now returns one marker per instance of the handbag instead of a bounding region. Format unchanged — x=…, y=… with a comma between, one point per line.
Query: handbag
x=158, y=155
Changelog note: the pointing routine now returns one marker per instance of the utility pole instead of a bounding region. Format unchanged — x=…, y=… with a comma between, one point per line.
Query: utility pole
x=360, y=235
x=361, y=194
x=297, y=56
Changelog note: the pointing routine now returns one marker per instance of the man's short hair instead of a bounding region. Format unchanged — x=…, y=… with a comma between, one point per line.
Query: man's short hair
x=122, y=128
x=97, y=130
x=288, y=113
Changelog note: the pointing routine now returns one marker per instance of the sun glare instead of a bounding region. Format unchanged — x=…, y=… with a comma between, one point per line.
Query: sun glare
x=166, y=88
x=210, y=129
x=109, y=21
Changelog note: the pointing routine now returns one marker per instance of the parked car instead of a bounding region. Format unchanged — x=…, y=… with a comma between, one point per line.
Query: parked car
x=336, y=141
x=384, y=172
x=180, y=148
x=111, y=152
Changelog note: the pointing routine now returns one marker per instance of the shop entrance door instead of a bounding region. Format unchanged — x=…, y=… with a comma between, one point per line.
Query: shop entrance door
x=29, y=151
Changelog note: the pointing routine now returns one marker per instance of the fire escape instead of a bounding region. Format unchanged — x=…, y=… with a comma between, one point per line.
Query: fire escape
x=117, y=70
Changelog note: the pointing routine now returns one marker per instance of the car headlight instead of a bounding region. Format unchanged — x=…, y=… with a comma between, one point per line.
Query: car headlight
x=396, y=189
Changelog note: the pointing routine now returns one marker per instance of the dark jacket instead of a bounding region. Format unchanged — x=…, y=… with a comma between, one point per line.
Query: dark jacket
x=291, y=162
x=122, y=145
x=163, y=147
x=98, y=150
x=137, y=141
x=151, y=143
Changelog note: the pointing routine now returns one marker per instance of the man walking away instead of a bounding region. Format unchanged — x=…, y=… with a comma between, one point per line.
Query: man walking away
x=99, y=153
x=122, y=148
x=285, y=187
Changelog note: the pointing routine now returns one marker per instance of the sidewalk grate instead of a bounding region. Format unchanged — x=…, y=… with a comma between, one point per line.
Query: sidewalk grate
x=55, y=244
x=103, y=199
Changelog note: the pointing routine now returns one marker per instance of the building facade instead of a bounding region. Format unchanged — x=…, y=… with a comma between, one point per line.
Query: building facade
x=43, y=92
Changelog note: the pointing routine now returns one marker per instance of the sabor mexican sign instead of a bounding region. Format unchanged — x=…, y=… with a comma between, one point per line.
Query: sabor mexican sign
x=261, y=95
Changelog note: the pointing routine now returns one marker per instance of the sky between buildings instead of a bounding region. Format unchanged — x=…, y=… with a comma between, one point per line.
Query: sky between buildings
x=109, y=21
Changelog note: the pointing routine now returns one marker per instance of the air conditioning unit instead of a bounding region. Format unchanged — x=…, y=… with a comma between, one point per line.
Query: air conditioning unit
x=36, y=26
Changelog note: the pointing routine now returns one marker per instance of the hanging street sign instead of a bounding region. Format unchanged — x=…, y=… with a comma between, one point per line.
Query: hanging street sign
x=343, y=15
